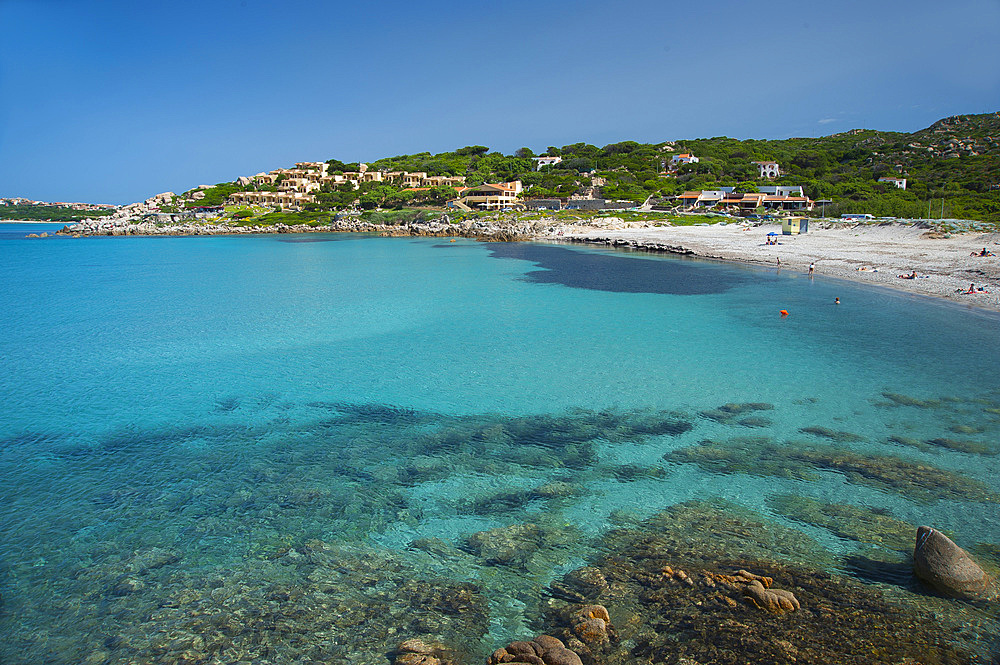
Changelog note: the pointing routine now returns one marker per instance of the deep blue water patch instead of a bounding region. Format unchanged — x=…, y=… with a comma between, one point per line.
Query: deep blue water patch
x=617, y=273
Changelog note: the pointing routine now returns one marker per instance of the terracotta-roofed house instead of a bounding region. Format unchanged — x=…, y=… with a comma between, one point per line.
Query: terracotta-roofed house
x=490, y=196
x=683, y=158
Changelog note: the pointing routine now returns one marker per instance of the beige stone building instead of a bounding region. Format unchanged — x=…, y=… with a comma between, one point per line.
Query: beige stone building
x=296, y=187
x=491, y=196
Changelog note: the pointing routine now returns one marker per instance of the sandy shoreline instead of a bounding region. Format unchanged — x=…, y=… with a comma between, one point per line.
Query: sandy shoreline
x=884, y=251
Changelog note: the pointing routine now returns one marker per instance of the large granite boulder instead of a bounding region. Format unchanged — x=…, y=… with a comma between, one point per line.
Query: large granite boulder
x=947, y=568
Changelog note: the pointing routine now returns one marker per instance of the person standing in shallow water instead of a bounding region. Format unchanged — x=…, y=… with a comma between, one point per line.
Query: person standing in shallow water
x=812, y=268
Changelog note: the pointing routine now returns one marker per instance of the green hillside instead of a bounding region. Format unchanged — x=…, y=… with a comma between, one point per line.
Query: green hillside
x=952, y=170
x=48, y=213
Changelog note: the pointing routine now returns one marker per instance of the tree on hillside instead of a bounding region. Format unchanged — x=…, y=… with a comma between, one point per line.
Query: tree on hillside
x=335, y=165
x=472, y=150
x=524, y=153
x=579, y=164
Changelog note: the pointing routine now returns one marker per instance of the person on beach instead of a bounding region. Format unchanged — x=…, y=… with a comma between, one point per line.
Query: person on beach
x=812, y=268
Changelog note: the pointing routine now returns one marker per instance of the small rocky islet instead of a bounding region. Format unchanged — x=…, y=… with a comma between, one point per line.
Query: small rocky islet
x=700, y=582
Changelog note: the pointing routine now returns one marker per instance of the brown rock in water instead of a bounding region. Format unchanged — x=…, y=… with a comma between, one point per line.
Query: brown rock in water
x=947, y=567
x=415, y=651
x=548, y=642
x=543, y=650
x=592, y=625
x=561, y=656
x=409, y=658
x=416, y=645
x=591, y=630
x=519, y=648
x=778, y=601
x=593, y=612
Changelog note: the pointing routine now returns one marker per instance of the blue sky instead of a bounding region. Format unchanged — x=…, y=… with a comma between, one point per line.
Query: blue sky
x=114, y=101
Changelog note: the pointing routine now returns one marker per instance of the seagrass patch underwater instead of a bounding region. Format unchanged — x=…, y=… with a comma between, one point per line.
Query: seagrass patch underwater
x=225, y=449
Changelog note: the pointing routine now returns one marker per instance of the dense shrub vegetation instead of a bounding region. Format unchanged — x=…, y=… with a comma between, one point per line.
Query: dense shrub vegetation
x=49, y=213
x=952, y=169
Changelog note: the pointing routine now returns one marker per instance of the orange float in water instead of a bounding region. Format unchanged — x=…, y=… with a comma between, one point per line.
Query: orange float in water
x=784, y=312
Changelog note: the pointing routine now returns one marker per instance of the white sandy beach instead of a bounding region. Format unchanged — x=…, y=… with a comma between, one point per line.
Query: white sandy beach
x=871, y=254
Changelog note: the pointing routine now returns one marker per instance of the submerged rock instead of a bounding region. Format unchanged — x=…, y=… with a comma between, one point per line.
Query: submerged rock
x=416, y=651
x=543, y=650
x=728, y=413
x=762, y=456
x=150, y=559
x=778, y=601
x=896, y=399
x=865, y=525
x=835, y=435
x=511, y=545
x=946, y=567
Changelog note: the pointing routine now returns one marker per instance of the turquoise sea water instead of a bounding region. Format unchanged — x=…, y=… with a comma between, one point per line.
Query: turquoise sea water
x=183, y=410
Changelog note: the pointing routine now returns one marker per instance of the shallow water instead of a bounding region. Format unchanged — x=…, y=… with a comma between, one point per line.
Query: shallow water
x=179, y=411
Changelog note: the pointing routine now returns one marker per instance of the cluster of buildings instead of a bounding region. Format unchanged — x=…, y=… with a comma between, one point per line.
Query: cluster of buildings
x=771, y=197
x=768, y=170
x=18, y=201
x=293, y=188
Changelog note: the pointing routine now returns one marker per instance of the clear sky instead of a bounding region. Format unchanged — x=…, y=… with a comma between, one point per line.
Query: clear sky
x=114, y=101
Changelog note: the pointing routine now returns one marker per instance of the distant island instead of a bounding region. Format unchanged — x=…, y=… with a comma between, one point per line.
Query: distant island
x=950, y=170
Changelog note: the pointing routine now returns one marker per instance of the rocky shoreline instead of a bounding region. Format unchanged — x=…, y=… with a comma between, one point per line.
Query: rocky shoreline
x=479, y=229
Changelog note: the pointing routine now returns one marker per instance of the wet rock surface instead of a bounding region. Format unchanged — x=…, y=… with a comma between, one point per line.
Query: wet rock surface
x=542, y=650
x=947, y=568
